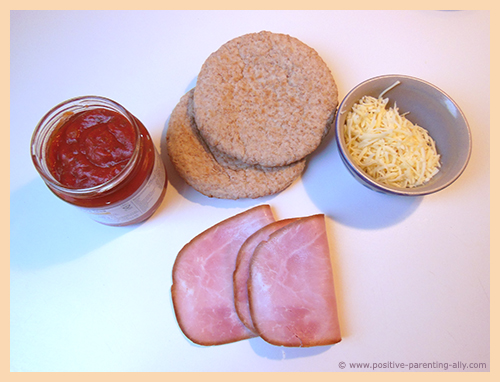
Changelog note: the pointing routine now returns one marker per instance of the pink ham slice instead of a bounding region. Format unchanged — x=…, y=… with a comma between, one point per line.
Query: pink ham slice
x=291, y=290
x=202, y=288
x=242, y=271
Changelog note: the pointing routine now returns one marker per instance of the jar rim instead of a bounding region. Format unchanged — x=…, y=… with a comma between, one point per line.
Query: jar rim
x=55, y=118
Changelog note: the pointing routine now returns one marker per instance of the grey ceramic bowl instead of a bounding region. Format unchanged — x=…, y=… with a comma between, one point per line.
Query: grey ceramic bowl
x=428, y=107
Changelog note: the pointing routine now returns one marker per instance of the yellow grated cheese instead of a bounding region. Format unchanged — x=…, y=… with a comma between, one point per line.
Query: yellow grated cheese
x=387, y=146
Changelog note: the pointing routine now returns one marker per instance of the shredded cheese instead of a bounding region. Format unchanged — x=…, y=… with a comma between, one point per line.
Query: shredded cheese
x=387, y=146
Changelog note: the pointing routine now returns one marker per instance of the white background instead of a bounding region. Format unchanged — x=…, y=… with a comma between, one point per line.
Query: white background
x=412, y=275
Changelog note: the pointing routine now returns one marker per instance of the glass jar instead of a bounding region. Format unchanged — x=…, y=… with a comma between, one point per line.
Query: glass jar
x=128, y=190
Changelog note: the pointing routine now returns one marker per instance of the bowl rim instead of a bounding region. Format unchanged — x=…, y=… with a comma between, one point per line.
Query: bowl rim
x=373, y=184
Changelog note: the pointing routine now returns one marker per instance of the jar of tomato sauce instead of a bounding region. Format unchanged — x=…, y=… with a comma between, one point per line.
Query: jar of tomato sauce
x=92, y=153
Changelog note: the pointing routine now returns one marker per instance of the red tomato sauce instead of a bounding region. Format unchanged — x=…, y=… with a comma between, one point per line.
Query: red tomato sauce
x=91, y=148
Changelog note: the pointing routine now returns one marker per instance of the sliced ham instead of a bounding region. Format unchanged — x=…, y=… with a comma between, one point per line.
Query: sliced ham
x=202, y=288
x=291, y=291
x=242, y=271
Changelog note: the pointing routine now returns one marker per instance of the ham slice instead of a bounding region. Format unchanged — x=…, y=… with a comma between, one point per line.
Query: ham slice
x=242, y=271
x=202, y=288
x=291, y=291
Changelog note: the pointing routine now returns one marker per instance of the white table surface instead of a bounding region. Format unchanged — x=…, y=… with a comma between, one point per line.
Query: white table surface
x=412, y=275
